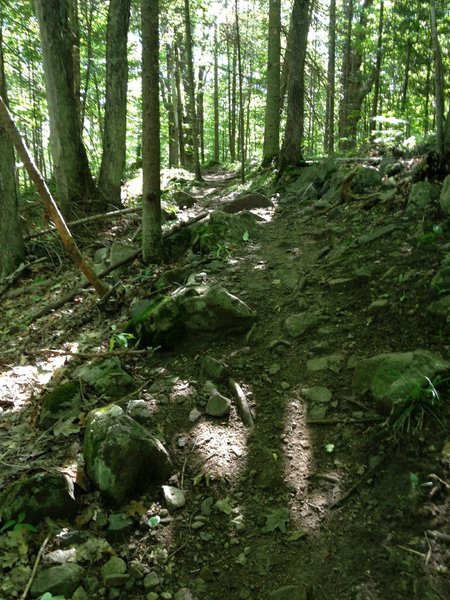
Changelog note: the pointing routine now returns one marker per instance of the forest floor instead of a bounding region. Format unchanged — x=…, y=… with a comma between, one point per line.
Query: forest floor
x=318, y=501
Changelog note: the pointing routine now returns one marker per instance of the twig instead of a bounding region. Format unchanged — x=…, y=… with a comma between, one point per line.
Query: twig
x=35, y=567
x=241, y=403
x=338, y=420
x=416, y=552
x=90, y=355
x=437, y=535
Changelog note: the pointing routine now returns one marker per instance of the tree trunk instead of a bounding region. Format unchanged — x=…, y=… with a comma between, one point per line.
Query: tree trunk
x=172, y=114
x=74, y=24
x=271, y=146
x=114, y=137
x=191, y=85
x=406, y=78
x=151, y=150
x=438, y=80
x=179, y=107
x=291, y=151
x=241, y=92
x=66, y=237
x=331, y=76
x=376, y=85
x=201, y=111
x=12, y=249
x=74, y=183
x=216, y=99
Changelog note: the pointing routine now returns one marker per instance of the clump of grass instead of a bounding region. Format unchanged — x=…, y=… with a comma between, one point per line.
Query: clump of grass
x=424, y=402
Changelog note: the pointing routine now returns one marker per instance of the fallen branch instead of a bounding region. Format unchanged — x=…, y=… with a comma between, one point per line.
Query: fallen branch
x=437, y=535
x=90, y=355
x=241, y=403
x=71, y=294
x=67, y=239
x=7, y=282
x=100, y=217
x=35, y=567
x=344, y=420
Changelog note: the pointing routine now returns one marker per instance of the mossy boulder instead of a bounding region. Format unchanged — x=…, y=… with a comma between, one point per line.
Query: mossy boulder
x=106, y=377
x=396, y=376
x=223, y=229
x=190, y=309
x=63, y=402
x=123, y=459
x=38, y=496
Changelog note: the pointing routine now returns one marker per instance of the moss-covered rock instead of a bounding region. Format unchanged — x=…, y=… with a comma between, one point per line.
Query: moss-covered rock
x=38, y=496
x=106, y=377
x=63, y=402
x=122, y=458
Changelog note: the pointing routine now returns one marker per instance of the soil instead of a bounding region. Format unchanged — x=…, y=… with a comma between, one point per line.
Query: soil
x=327, y=498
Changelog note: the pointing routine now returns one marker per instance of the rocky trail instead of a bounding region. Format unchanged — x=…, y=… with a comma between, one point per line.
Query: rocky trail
x=274, y=426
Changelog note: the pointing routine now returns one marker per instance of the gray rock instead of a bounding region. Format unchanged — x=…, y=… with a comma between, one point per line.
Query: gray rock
x=365, y=180
x=115, y=565
x=151, y=581
x=318, y=393
x=421, y=195
x=213, y=368
x=183, y=199
x=247, y=202
x=38, y=496
x=106, y=377
x=60, y=557
x=121, y=251
x=116, y=580
x=122, y=457
x=139, y=410
x=218, y=405
x=184, y=594
x=64, y=402
x=59, y=581
x=444, y=198
x=396, y=375
x=333, y=362
x=297, y=324
x=190, y=310
x=288, y=592
x=173, y=497
x=194, y=415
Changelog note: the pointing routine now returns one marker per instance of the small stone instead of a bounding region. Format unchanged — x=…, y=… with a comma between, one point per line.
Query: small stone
x=173, y=497
x=166, y=596
x=151, y=581
x=80, y=594
x=152, y=596
x=378, y=305
x=274, y=369
x=285, y=385
x=184, y=594
x=115, y=565
x=296, y=325
x=116, y=580
x=319, y=394
x=218, y=405
x=194, y=415
x=197, y=525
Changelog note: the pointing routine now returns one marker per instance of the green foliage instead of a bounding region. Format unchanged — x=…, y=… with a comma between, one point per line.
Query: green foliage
x=18, y=524
x=423, y=402
x=120, y=339
x=50, y=596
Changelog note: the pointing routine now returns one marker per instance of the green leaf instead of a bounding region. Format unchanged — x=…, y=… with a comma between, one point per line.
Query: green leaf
x=329, y=447
x=277, y=519
x=154, y=521
x=246, y=236
x=7, y=525
x=224, y=506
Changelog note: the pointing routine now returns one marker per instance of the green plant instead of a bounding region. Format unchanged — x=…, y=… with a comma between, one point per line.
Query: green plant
x=50, y=596
x=408, y=414
x=120, y=339
x=17, y=524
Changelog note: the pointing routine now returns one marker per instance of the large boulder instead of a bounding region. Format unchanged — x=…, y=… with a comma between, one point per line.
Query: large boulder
x=38, y=496
x=394, y=376
x=223, y=229
x=366, y=179
x=190, y=309
x=247, y=202
x=106, y=377
x=311, y=183
x=122, y=458
x=59, y=581
x=444, y=199
x=421, y=195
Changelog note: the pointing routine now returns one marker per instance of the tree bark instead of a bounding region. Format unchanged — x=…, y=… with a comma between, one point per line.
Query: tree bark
x=216, y=99
x=331, y=75
x=55, y=215
x=12, y=249
x=291, y=151
x=172, y=113
x=438, y=80
x=241, y=93
x=191, y=85
x=151, y=145
x=271, y=146
x=376, y=85
x=114, y=136
x=74, y=183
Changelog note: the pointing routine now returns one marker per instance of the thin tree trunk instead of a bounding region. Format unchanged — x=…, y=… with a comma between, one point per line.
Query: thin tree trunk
x=241, y=93
x=216, y=99
x=331, y=76
x=114, y=137
x=75, y=30
x=376, y=85
x=70, y=245
x=201, y=111
x=12, y=248
x=172, y=114
x=271, y=146
x=191, y=85
x=406, y=77
x=151, y=145
x=179, y=107
x=438, y=80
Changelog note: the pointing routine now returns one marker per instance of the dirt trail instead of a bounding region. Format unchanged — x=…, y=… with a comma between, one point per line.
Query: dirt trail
x=316, y=502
